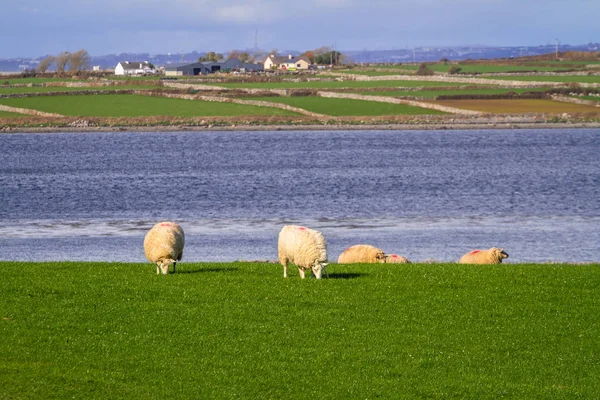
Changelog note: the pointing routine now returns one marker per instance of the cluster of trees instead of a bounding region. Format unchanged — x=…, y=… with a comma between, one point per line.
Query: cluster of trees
x=325, y=56
x=243, y=56
x=65, y=61
x=320, y=56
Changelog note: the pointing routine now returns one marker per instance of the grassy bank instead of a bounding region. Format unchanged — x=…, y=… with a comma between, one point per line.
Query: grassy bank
x=239, y=330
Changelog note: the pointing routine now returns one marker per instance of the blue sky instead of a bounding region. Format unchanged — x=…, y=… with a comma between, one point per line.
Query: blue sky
x=31, y=28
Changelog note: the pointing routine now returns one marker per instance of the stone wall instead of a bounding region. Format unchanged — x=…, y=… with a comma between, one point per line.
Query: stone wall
x=386, y=99
x=27, y=111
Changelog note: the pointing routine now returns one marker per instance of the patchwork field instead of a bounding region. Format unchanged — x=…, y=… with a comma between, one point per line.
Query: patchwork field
x=239, y=330
x=348, y=107
x=434, y=93
x=4, y=114
x=333, y=84
x=518, y=106
x=135, y=105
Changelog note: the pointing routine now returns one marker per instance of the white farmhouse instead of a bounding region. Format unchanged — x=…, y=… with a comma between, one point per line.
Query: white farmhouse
x=289, y=63
x=134, y=68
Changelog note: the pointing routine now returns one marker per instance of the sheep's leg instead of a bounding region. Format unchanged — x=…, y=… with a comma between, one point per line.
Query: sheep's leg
x=157, y=270
x=284, y=263
x=301, y=270
x=174, y=266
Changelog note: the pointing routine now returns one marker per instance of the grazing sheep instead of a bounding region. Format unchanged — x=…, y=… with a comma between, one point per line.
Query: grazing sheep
x=163, y=245
x=396, y=259
x=304, y=247
x=361, y=253
x=491, y=256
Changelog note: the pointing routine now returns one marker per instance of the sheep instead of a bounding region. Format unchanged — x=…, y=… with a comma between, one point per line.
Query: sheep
x=361, y=253
x=492, y=256
x=396, y=259
x=304, y=247
x=163, y=245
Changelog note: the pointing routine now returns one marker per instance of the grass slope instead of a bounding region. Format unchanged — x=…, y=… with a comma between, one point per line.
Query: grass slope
x=239, y=330
x=333, y=84
x=135, y=106
x=348, y=107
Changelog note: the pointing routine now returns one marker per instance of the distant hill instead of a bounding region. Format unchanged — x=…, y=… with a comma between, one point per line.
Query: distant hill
x=407, y=55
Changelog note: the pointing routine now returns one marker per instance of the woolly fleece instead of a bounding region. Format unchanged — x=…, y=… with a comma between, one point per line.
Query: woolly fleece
x=492, y=256
x=304, y=247
x=361, y=253
x=163, y=245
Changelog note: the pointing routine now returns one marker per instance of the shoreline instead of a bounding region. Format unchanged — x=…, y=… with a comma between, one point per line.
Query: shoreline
x=307, y=127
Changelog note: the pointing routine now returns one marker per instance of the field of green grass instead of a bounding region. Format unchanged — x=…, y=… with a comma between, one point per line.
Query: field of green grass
x=430, y=94
x=550, y=78
x=135, y=105
x=465, y=68
x=45, y=89
x=348, y=107
x=5, y=114
x=240, y=330
x=333, y=84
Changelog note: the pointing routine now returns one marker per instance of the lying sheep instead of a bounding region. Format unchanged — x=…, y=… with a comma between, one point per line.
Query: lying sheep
x=304, y=247
x=361, y=253
x=491, y=256
x=163, y=245
x=396, y=259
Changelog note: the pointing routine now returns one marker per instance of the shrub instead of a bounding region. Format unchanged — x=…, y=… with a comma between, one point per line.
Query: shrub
x=454, y=70
x=424, y=70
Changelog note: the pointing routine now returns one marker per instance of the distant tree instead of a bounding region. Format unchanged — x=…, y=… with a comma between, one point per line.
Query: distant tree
x=329, y=58
x=444, y=60
x=233, y=54
x=244, y=57
x=310, y=55
x=211, y=56
x=61, y=61
x=454, y=70
x=45, y=64
x=424, y=70
x=79, y=60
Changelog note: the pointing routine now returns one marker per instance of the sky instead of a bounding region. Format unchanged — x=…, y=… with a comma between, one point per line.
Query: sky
x=34, y=28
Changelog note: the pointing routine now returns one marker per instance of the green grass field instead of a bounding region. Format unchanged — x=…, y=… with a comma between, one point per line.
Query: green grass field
x=135, y=105
x=430, y=94
x=348, y=107
x=549, y=78
x=334, y=84
x=5, y=114
x=43, y=89
x=465, y=68
x=240, y=330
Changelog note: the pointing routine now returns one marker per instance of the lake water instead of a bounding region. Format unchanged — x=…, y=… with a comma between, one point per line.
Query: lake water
x=428, y=195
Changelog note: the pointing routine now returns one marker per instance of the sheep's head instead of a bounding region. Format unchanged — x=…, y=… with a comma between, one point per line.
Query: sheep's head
x=500, y=254
x=318, y=269
x=380, y=257
x=164, y=265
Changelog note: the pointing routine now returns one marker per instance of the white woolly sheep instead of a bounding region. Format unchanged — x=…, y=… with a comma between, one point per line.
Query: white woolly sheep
x=163, y=245
x=492, y=256
x=361, y=253
x=304, y=247
x=396, y=259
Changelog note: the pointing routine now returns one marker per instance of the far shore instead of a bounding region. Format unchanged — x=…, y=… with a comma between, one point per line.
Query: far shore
x=308, y=127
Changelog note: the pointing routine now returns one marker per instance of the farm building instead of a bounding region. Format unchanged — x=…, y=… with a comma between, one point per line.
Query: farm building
x=209, y=67
x=290, y=62
x=134, y=68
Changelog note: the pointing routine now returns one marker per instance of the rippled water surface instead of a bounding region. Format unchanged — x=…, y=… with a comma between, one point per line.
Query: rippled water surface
x=428, y=195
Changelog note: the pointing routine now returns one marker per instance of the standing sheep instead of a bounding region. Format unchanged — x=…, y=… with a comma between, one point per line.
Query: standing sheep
x=304, y=247
x=492, y=256
x=361, y=253
x=163, y=245
x=396, y=259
